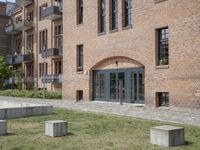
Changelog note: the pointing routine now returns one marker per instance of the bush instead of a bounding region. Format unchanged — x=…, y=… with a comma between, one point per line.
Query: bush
x=31, y=94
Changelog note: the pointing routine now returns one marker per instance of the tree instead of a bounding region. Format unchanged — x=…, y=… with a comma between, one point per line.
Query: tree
x=5, y=72
x=19, y=76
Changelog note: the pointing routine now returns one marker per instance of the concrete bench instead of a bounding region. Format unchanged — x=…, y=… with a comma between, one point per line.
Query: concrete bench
x=56, y=128
x=3, y=127
x=167, y=136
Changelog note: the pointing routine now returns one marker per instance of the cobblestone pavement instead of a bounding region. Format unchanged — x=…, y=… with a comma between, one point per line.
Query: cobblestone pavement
x=176, y=115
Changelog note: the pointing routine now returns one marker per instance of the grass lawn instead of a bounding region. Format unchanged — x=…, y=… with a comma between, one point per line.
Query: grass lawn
x=89, y=132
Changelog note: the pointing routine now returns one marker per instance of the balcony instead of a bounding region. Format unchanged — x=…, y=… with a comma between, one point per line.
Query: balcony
x=52, y=52
x=19, y=25
x=52, y=13
x=25, y=2
x=18, y=59
x=28, y=24
x=54, y=79
x=9, y=60
x=10, y=29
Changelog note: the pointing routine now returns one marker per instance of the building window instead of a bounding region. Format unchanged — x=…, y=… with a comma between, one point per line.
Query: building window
x=113, y=14
x=41, y=9
x=163, y=50
x=127, y=13
x=79, y=58
x=102, y=16
x=43, y=69
x=58, y=3
x=43, y=40
x=57, y=67
x=79, y=95
x=79, y=11
x=29, y=16
x=18, y=44
x=29, y=70
x=59, y=37
x=29, y=42
x=163, y=99
x=18, y=19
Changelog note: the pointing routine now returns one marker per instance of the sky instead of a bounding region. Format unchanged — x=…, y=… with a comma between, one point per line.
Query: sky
x=7, y=0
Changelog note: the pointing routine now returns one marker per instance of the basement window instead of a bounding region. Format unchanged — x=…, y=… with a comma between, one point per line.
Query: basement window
x=79, y=95
x=163, y=99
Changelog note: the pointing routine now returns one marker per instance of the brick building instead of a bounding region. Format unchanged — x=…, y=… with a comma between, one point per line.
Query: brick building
x=144, y=51
x=36, y=29
x=4, y=38
x=153, y=46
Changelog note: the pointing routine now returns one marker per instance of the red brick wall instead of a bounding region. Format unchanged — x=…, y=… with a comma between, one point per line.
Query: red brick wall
x=181, y=78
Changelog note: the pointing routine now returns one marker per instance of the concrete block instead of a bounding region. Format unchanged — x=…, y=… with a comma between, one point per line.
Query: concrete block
x=3, y=127
x=56, y=128
x=167, y=136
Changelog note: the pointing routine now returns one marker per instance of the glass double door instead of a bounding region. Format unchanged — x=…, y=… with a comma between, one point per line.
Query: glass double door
x=108, y=83
x=115, y=79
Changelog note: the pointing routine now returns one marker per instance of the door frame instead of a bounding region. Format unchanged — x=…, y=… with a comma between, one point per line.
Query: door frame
x=127, y=80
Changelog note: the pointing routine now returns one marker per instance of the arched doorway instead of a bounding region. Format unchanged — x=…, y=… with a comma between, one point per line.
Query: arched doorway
x=107, y=74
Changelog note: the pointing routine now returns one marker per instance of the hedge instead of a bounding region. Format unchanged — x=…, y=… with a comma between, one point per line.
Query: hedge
x=31, y=94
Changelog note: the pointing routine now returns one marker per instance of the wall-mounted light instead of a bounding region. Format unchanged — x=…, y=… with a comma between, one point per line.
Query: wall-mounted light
x=116, y=63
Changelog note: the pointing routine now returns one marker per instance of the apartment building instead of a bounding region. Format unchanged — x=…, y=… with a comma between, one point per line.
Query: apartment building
x=36, y=30
x=142, y=51
x=4, y=38
x=151, y=47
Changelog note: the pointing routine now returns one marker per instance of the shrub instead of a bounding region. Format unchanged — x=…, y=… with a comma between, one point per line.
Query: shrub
x=31, y=94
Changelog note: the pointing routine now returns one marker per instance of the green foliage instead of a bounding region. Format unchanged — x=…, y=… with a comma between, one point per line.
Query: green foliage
x=19, y=75
x=31, y=94
x=163, y=62
x=29, y=51
x=5, y=71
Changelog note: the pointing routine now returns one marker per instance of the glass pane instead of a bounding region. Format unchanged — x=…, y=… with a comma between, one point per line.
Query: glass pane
x=113, y=83
x=141, y=86
x=134, y=86
x=99, y=86
x=121, y=77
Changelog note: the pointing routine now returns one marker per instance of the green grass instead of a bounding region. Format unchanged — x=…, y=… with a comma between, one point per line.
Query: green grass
x=89, y=132
x=31, y=94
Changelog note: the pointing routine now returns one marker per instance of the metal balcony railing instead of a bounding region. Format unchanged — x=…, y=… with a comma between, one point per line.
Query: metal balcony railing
x=52, y=79
x=19, y=25
x=11, y=80
x=52, y=52
x=22, y=58
x=9, y=60
x=53, y=12
x=10, y=29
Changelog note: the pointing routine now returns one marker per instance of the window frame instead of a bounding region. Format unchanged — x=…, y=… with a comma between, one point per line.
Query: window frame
x=43, y=40
x=127, y=14
x=160, y=49
x=79, y=12
x=113, y=14
x=80, y=58
x=101, y=16
x=163, y=99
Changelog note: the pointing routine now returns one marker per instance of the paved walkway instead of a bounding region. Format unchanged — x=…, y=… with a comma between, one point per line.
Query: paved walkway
x=176, y=115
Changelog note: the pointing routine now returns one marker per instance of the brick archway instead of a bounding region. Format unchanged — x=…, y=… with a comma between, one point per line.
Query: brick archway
x=115, y=62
